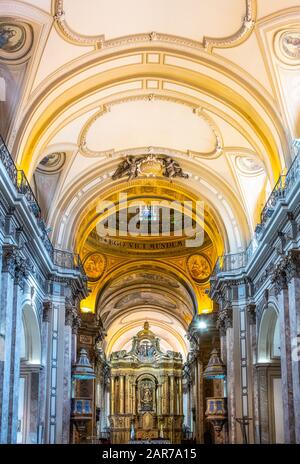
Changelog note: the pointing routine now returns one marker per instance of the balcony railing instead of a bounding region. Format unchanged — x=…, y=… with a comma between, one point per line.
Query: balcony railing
x=285, y=184
x=60, y=258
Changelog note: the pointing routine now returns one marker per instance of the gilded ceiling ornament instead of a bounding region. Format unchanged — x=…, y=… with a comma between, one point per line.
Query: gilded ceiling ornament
x=149, y=166
x=94, y=266
x=209, y=43
x=199, y=268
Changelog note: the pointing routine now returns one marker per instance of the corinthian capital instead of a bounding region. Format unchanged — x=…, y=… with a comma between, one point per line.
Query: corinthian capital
x=224, y=319
x=292, y=264
x=279, y=279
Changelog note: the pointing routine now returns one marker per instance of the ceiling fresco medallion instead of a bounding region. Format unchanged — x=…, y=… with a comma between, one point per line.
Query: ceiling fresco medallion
x=199, y=268
x=249, y=165
x=15, y=39
x=287, y=46
x=290, y=42
x=53, y=162
x=94, y=266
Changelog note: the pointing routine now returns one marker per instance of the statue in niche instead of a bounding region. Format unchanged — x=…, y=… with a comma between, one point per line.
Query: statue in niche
x=146, y=395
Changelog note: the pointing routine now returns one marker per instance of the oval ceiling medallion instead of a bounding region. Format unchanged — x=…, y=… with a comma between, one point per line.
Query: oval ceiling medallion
x=199, y=268
x=94, y=266
x=52, y=163
x=287, y=46
x=249, y=165
x=15, y=39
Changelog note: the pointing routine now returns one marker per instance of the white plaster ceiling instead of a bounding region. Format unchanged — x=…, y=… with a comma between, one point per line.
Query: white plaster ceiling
x=143, y=123
x=191, y=18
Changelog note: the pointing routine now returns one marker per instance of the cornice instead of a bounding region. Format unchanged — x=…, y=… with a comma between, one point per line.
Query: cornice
x=208, y=43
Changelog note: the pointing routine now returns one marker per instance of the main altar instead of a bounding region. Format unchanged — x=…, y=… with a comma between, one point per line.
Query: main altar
x=145, y=392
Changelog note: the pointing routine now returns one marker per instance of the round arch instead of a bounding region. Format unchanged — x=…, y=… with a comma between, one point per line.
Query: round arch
x=268, y=336
x=32, y=335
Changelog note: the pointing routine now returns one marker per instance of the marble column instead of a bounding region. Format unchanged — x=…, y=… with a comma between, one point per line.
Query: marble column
x=44, y=374
x=171, y=395
x=112, y=395
x=180, y=397
x=13, y=280
x=121, y=393
x=6, y=310
x=293, y=276
x=15, y=360
x=134, y=397
x=70, y=314
x=286, y=365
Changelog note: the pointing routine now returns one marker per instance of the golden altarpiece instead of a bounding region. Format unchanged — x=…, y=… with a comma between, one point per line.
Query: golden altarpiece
x=146, y=391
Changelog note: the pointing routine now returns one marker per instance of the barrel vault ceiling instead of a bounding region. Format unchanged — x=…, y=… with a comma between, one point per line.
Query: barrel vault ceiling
x=213, y=84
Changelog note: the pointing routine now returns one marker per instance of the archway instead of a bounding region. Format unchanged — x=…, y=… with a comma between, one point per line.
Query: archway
x=269, y=377
x=30, y=366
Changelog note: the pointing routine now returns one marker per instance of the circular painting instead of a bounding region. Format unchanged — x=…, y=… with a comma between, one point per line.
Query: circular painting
x=94, y=266
x=249, y=165
x=287, y=46
x=53, y=162
x=15, y=39
x=290, y=43
x=199, y=268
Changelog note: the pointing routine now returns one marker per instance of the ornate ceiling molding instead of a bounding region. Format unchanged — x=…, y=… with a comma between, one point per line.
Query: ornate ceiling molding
x=199, y=111
x=240, y=36
x=208, y=43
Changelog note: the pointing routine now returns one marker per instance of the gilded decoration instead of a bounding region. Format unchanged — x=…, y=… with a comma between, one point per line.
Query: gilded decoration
x=94, y=266
x=199, y=268
x=152, y=381
x=149, y=166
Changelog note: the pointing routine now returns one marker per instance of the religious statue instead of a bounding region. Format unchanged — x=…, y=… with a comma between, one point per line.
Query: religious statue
x=146, y=395
x=128, y=167
x=149, y=166
x=172, y=169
